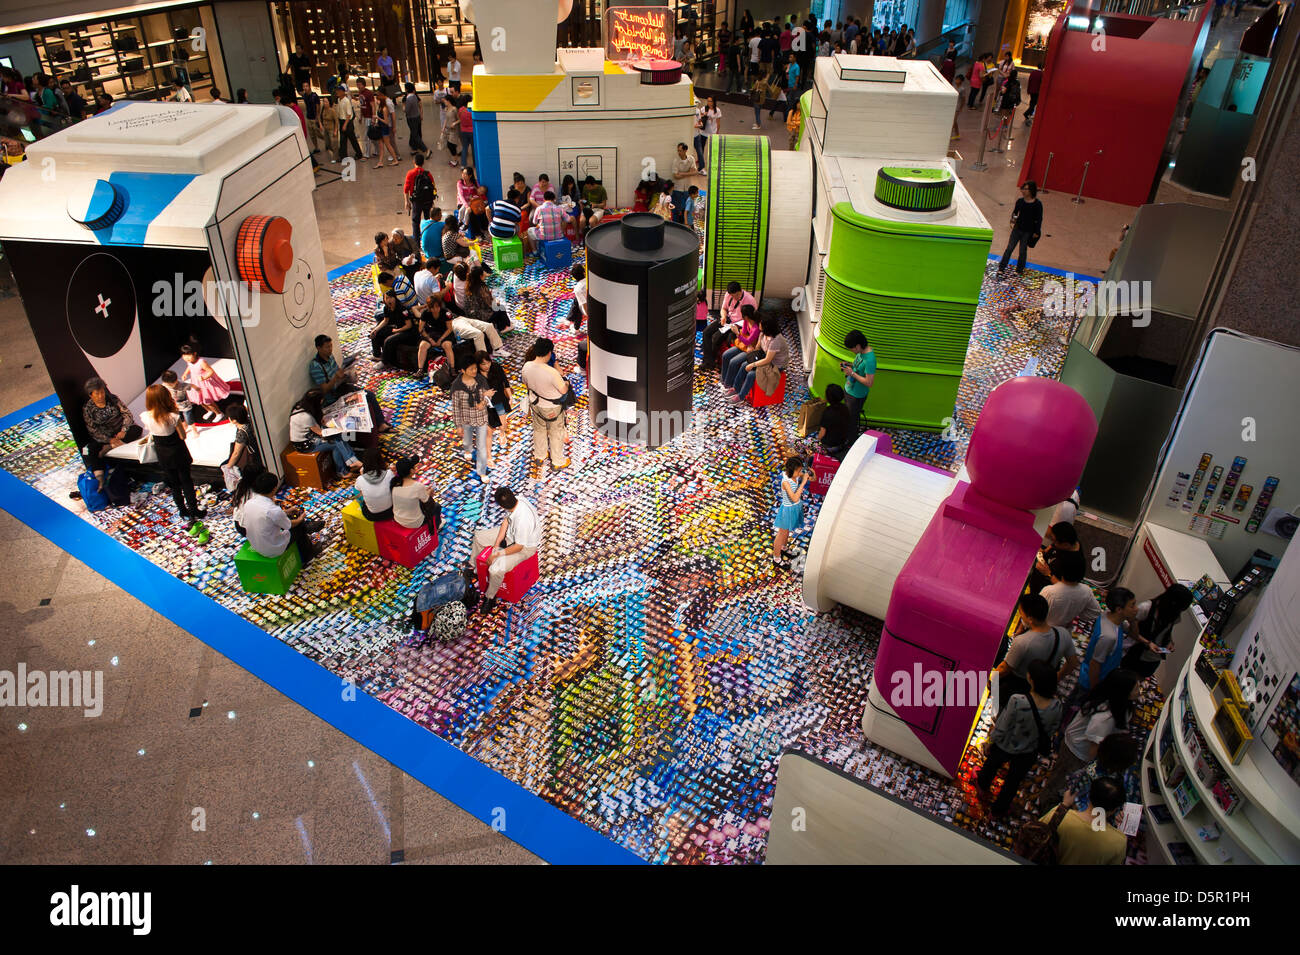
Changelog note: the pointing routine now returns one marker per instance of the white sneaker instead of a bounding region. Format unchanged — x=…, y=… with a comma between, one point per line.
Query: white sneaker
x=755, y=127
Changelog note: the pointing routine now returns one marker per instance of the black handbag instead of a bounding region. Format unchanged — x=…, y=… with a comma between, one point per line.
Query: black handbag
x=180, y=33
x=126, y=44
x=61, y=56
x=82, y=74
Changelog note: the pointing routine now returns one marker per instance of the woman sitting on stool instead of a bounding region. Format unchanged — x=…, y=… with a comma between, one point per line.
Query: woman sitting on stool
x=306, y=436
x=375, y=487
x=109, y=422
x=413, y=505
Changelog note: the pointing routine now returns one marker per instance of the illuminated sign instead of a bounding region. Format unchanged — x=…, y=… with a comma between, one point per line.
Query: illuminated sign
x=639, y=33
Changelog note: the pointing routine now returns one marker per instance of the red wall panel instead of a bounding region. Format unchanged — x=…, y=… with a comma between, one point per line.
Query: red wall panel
x=1108, y=107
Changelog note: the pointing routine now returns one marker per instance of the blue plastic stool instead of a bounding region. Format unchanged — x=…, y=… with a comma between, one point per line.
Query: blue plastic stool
x=557, y=253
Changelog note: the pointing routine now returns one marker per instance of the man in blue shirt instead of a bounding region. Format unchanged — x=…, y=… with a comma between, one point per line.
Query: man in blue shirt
x=431, y=240
x=335, y=382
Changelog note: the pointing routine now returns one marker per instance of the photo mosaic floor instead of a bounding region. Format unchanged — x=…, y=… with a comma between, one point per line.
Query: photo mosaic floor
x=648, y=684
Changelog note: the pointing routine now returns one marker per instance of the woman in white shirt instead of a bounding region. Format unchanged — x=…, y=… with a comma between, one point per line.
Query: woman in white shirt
x=413, y=505
x=706, y=125
x=167, y=430
x=374, y=488
x=1106, y=709
x=305, y=433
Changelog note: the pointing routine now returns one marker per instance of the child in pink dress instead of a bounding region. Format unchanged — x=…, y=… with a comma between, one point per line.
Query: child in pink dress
x=205, y=387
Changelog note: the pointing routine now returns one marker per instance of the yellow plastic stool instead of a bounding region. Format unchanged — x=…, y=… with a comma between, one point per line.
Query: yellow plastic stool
x=360, y=533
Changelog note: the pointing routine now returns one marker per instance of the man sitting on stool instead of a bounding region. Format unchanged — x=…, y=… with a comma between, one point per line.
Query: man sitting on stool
x=516, y=540
x=334, y=382
x=270, y=528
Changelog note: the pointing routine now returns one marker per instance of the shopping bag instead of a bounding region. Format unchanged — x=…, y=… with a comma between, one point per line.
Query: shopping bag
x=810, y=417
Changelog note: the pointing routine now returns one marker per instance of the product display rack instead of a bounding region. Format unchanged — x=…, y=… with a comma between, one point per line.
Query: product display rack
x=1262, y=828
x=128, y=58
x=447, y=19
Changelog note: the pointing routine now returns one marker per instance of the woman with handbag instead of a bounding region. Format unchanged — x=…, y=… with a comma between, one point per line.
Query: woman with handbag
x=380, y=131
x=765, y=370
x=167, y=432
x=1026, y=226
x=1022, y=733
x=242, y=452
x=548, y=395
x=747, y=336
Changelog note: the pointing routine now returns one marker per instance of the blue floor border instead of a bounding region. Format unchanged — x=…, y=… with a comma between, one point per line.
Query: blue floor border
x=995, y=257
x=523, y=817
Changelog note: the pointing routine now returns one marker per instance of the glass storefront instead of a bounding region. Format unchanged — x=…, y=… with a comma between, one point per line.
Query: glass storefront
x=135, y=57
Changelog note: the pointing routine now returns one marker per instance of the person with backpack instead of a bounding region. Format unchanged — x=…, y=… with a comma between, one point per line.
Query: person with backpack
x=548, y=396
x=1106, y=709
x=1109, y=639
x=419, y=191
x=1052, y=645
x=1022, y=733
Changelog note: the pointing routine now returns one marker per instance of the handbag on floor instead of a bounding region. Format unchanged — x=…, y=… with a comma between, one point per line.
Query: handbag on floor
x=91, y=493
x=810, y=417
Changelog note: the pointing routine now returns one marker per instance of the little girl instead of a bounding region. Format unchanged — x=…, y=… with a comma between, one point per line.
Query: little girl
x=205, y=388
x=789, y=508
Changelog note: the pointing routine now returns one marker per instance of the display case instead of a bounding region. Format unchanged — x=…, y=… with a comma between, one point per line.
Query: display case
x=130, y=57
x=448, y=20
x=1201, y=806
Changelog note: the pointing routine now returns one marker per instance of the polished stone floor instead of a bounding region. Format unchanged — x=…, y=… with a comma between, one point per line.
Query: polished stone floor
x=273, y=782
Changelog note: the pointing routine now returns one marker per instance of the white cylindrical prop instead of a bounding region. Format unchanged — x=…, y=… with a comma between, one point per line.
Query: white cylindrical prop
x=875, y=511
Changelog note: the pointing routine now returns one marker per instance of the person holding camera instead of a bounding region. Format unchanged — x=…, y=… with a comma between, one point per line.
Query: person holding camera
x=789, y=508
x=859, y=375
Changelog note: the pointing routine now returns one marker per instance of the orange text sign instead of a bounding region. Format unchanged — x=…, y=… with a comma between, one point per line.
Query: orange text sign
x=639, y=33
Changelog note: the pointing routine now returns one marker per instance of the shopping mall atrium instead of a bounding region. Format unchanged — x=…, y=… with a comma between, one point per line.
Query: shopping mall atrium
x=554, y=431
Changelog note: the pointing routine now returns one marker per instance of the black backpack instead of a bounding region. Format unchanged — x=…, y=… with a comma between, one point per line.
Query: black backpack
x=423, y=192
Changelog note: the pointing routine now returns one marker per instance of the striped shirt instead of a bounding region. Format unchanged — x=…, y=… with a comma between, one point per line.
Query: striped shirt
x=505, y=219
x=549, y=221
x=404, y=291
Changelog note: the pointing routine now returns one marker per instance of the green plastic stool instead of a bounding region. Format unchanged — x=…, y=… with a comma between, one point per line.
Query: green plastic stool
x=507, y=253
x=267, y=575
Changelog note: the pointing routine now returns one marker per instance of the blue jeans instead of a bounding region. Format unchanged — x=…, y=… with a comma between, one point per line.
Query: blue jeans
x=733, y=360
x=475, y=436
x=466, y=148
x=342, y=454
x=746, y=383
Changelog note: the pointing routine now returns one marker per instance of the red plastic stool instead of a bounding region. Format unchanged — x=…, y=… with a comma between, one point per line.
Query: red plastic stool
x=516, y=583
x=757, y=399
x=824, y=468
x=405, y=545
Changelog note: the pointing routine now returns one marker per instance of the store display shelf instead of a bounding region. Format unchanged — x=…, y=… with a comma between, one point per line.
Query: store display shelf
x=1157, y=832
x=1243, y=833
x=1187, y=826
x=1245, y=775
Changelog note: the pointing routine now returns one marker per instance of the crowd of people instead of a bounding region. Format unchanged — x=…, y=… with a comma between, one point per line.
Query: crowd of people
x=1089, y=734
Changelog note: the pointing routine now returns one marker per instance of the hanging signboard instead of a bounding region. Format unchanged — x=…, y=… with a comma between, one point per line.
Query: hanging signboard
x=639, y=33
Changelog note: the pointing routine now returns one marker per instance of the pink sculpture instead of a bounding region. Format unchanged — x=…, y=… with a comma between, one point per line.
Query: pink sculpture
x=954, y=596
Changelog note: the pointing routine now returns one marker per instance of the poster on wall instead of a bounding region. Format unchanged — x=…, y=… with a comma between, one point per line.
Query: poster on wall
x=1232, y=457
